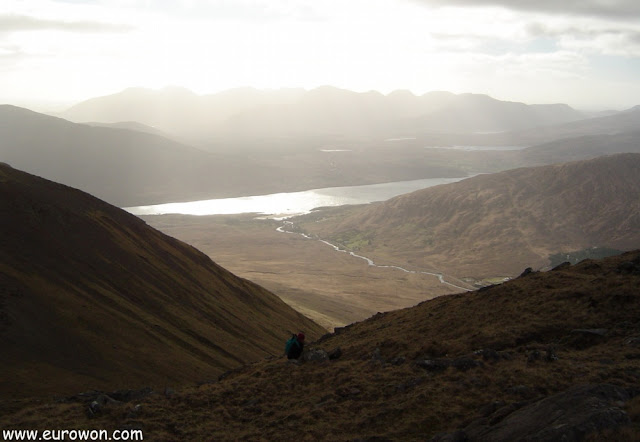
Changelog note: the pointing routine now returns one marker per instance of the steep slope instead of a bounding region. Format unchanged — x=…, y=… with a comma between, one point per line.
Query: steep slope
x=501, y=222
x=92, y=297
x=476, y=362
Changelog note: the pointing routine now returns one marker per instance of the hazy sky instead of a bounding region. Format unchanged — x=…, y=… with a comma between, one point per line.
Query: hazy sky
x=582, y=52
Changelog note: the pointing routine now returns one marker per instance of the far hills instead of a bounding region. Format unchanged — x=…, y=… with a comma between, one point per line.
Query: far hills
x=246, y=112
x=497, y=224
x=91, y=297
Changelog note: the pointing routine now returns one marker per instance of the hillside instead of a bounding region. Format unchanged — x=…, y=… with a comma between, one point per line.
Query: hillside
x=121, y=166
x=581, y=148
x=619, y=123
x=498, y=224
x=92, y=297
x=549, y=356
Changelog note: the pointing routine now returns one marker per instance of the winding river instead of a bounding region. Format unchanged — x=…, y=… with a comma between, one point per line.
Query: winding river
x=440, y=276
x=285, y=205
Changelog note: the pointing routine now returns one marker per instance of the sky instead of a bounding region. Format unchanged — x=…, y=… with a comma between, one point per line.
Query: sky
x=585, y=53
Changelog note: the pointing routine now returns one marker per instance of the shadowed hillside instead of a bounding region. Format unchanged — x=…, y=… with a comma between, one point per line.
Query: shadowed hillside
x=498, y=224
x=548, y=356
x=130, y=168
x=92, y=297
x=124, y=167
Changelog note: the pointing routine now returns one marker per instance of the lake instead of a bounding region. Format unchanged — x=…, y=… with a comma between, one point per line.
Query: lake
x=292, y=203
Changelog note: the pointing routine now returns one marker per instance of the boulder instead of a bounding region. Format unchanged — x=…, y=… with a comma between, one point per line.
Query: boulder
x=433, y=364
x=562, y=266
x=629, y=267
x=585, y=338
x=335, y=353
x=567, y=416
x=465, y=363
x=315, y=355
x=526, y=272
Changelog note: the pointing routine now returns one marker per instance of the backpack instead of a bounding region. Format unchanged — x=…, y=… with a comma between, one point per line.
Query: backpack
x=292, y=340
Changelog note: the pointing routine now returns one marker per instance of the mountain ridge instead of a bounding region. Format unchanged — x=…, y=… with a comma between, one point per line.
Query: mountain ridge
x=325, y=109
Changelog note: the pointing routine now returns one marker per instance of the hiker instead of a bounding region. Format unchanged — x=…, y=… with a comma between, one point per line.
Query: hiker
x=294, y=346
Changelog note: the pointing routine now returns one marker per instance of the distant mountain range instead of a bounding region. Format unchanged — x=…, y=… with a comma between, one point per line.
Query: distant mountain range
x=176, y=110
x=92, y=297
x=130, y=164
x=501, y=222
x=322, y=111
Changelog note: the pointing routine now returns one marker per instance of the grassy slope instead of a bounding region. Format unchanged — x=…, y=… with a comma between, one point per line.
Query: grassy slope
x=501, y=223
x=369, y=392
x=92, y=297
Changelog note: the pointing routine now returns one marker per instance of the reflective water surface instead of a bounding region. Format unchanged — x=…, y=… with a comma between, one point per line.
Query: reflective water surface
x=292, y=203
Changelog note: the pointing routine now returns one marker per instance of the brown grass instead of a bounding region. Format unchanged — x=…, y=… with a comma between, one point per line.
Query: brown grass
x=334, y=289
x=92, y=297
x=369, y=392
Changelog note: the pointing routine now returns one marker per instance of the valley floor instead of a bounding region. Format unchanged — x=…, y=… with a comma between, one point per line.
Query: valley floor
x=332, y=288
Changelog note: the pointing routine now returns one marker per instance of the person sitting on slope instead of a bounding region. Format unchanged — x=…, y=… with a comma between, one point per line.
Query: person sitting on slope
x=295, y=345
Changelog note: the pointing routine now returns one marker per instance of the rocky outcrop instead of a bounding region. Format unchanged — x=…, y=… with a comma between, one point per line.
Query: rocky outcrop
x=315, y=355
x=567, y=416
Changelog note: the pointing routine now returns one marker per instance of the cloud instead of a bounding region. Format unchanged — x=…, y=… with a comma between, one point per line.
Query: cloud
x=251, y=11
x=590, y=38
x=620, y=9
x=16, y=23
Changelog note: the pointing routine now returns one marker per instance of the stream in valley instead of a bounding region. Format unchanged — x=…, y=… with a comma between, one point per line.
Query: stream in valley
x=440, y=276
x=286, y=205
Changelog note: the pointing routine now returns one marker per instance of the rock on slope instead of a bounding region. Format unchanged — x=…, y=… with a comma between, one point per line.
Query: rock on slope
x=92, y=297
